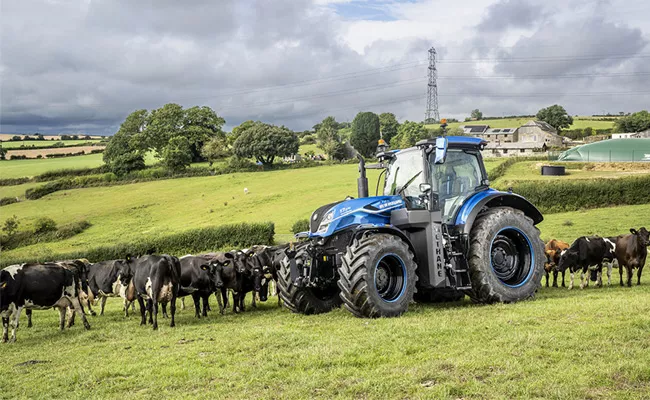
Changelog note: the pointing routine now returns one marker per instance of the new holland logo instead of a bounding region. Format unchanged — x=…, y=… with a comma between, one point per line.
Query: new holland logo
x=390, y=204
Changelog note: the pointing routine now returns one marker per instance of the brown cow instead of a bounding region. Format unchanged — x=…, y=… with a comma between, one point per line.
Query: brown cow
x=631, y=252
x=553, y=250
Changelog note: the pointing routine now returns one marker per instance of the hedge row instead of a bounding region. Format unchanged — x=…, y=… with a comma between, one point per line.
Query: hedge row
x=188, y=242
x=40, y=235
x=13, y=181
x=575, y=195
x=5, y=201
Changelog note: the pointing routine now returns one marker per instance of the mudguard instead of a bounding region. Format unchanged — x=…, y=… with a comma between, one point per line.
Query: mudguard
x=494, y=198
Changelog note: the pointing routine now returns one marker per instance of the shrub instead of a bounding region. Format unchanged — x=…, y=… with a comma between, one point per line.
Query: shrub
x=13, y=181
x=192, y=241
x=5, y=201
x=302, y=225
x=308, y=139
x=44, y=225
x=62, y=173
x=17, y=157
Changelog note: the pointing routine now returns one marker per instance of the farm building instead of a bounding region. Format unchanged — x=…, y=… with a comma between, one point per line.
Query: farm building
x=508, y=149
x=539, y=132
x=610, y=150
x=633, y=135
x=535, y=135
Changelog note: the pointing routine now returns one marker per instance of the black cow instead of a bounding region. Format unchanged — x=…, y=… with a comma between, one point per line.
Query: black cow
x=240, y=274
x=38, y=287
x=631, y=252
x=109, y=279
x=269, y=258
x=157, y=280
x=584, y=253
x=199, y=278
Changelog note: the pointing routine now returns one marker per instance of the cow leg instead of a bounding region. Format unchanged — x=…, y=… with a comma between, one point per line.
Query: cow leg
x=582, y=278
x=630, y=273
x=142, y=311
x=155, y=314
x=5, y=328
x=62, y=313
x=638, y=274
x=150, y=310
x=571, y=281
x=102, y=305
x=563, y=274
x=29, y=318
x=164, y=310
x=182, y=303
x=554, y=278
x=79, y=309
x=172, y=309
x=609, y=273
x=242, y=299
x=599, y=276
x=253, y=304
x=197, y=304
x=620, y=272
x=220, y=303
x=125, y=307
x=206, y=304
x=70, y=314
x=546, y=274
x=15, y=317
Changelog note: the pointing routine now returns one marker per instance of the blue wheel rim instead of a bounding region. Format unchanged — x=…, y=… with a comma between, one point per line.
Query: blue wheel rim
x=390, y=277
x=512, y=258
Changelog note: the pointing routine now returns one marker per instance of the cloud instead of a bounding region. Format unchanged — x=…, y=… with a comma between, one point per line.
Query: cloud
x=84, y=65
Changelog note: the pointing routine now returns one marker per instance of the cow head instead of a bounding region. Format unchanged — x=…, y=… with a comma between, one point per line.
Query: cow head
x=642, y=235
x=126, y=269
x=568, y=258
x=215, y=269
x=224, y=267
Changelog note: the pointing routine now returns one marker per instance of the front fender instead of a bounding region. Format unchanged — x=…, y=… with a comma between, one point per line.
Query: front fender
x=490, y=199
x=360, y=229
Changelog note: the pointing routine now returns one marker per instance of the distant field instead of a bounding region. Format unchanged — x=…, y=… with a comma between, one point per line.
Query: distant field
x=20, y=168
x=45, y=143
x=531, y=170
x=578, y=123
x=35, y=152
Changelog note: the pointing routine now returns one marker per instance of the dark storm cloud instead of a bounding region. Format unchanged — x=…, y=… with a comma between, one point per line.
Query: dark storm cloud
x=510, y=14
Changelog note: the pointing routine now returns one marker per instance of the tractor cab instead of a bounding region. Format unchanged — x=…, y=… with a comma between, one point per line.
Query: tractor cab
x=438, y=174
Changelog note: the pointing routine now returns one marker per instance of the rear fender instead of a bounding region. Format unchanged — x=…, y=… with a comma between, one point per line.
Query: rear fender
x=491, y=199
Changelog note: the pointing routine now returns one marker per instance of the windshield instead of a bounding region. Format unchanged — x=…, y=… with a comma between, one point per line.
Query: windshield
x=405, y=174
x=455, y=180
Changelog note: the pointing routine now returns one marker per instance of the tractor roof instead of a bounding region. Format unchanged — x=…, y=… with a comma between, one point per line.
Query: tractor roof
x=458, y=141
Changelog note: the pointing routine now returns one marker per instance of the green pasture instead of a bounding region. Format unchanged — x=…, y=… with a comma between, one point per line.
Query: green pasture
x=580, y=344
x=21, y=168
x=578, y=123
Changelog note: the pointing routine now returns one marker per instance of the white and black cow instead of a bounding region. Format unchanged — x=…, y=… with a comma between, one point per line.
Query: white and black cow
x=631, y=252
x=38, y=287
x=588, y=252
x=109, y=279
x=157, y=280
x=269, y=258
x=199, y=278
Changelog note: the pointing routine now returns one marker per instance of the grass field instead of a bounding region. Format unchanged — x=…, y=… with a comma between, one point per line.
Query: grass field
x=531, y=170
x=585, y=344
x=35, y=144
x=578, y=123
x=21, y=168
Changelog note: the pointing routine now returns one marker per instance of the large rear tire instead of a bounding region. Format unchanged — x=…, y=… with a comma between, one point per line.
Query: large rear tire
x=303, y=300
x=377, y=276
x=506, y=257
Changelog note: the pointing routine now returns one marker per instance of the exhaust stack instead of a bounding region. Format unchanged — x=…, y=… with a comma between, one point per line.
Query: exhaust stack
x=362, y=181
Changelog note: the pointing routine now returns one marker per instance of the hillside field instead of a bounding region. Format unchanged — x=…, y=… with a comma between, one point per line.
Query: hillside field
x=35, y=144
x=578, y=123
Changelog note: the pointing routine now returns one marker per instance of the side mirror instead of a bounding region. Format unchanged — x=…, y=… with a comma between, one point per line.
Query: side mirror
x=425, y=187
x=441, y=150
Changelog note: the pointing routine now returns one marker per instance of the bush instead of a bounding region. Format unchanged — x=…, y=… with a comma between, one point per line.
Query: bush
x=62, y=173
x=95, y=151
x=302, y=225
x=44, y=225
x=224, y=237
x=5, y=201
x=308, y=139
x=13, y=181
x=17, y=157
x=584, y=194
x=25, y=238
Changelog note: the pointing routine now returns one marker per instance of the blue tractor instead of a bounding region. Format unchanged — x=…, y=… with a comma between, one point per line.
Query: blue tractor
x=438, y=233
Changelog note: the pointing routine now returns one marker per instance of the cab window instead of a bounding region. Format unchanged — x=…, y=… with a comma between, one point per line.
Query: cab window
x=405, y=173
x=455, y=180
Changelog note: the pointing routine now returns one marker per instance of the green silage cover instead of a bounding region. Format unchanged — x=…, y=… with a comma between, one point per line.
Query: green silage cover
x=610, y=150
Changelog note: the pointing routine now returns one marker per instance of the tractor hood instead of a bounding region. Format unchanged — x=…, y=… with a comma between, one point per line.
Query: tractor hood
x=367, y=210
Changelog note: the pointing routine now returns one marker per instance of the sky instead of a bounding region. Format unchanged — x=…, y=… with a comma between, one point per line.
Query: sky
x=70, y=66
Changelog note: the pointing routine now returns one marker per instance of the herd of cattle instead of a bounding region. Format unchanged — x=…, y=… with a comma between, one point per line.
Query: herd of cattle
x=592, y=252
x=158, y=280
x=151, y=280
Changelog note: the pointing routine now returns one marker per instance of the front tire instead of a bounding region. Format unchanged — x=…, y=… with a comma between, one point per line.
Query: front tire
x=377, y=276
x=304, y=300
x=506, y=257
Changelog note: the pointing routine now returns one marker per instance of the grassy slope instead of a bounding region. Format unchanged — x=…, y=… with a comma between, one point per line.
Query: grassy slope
x=35, y=144
x=563, y=345
x=517, y=122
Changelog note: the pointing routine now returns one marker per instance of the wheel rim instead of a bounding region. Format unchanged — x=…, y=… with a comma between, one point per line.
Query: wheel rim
x=390, y=278
x=511, y=257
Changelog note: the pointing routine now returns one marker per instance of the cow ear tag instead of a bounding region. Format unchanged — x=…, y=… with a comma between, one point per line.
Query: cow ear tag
x=4, y=284
x=203, y=267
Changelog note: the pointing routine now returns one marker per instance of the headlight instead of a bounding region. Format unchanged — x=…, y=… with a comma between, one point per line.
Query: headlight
x=325, y=223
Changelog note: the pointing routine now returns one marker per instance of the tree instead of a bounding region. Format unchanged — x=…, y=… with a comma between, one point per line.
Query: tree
x=264, y=142
x=556, y=116
x=236, y=131
x=410, y=133
x=588, y=131
x=388, y=125
x=162, y=124
x=476, y=114
x=365, y=133
x=328, y=137
x=3, y=152
x=199, y=126
x=11, y=225
x=215, y=149
x=125, y=150
x=176, y=156
x=636, y=122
